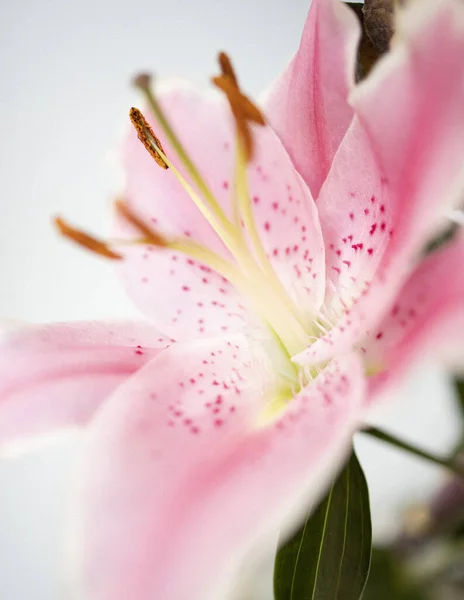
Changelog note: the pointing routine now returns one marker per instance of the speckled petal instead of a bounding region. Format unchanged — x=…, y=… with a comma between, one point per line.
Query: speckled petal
x=398, y=170
x=427, y=319
x=180, y=481
x=57, y=376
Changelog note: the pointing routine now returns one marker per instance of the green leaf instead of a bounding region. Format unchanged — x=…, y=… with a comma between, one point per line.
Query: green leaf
x=459, y=386
x=459, y=390
x=328, y=558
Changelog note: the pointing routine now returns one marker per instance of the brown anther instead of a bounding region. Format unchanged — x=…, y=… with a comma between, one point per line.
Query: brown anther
x=241, y=106
x=149, y=235
x=147, y=137
x=227, y=69
x=251, y=111
x=243, y=110
x=238, y=101
x=85, y=240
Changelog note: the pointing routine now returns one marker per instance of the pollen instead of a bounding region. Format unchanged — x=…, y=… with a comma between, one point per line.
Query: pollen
x=85, y=240
x=147, y=137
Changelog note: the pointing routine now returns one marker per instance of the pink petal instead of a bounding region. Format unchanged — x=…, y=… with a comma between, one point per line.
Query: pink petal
x=308, y=105
x=412, y=112
x=427, y=318
x=180, y=480
x=397, y=171
x=183, y=297
x=355, y=209
x=57, y=376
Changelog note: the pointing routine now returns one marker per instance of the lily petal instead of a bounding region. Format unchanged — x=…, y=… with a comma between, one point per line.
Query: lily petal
x=308, y=104
x=398, y=170
x=206, y=478
x=357, y=218
x=411, y=109
x=57, y=376
x=426, y=320
x=283, y=208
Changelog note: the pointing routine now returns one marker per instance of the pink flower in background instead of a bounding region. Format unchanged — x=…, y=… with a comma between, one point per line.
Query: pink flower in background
x=290, y=286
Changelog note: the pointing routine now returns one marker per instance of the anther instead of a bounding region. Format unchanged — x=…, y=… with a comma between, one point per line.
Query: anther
x=237, y=106
x=227, y=69
x=149, y=235
x=238, y=100
x=85, y=240
x=147, y=137
x=241, y=106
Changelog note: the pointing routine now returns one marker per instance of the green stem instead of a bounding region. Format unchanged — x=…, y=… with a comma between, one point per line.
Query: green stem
x=448, y=463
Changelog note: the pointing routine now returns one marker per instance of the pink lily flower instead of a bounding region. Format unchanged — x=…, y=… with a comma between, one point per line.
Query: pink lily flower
x=292, y=287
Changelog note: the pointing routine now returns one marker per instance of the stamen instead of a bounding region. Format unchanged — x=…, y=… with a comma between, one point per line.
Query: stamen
x=243, y=111
x=143, y=81
x=218, y=219
x=218, y=264
x=223, y=228
x=226, y=68
x=150, y=236
x=228, y=83
x=85, y=240
x=147, y=137
x=241, y=106
x=192, y=249
x=238, y=101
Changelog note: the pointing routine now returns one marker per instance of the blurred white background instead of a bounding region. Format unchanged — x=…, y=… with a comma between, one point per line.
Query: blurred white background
x=64, y=98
